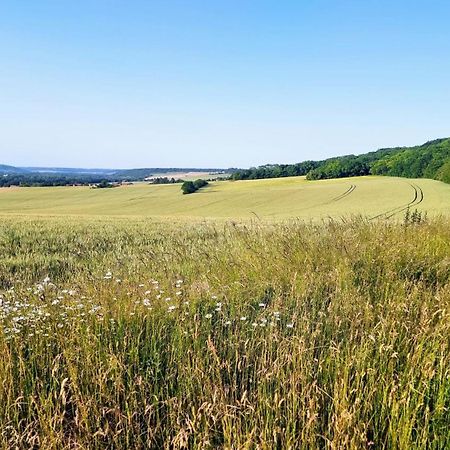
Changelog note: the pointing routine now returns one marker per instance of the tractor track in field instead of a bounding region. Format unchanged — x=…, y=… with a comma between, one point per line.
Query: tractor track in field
x=417, y=199
x=335, y=199
x=345, y=194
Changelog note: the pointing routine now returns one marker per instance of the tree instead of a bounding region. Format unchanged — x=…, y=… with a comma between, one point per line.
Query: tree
x=200, y=183
x=188, y=187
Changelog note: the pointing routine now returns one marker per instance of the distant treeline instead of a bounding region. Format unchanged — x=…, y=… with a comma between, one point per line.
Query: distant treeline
x=36, y=180
x=47, y=179
x=165, y=180
x=275, y=171
x=430, y=160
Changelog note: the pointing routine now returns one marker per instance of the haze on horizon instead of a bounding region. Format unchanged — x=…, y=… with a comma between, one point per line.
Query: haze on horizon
x=218, y=84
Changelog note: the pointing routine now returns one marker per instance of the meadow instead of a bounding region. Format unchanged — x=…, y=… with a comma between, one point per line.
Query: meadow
x=120, y=330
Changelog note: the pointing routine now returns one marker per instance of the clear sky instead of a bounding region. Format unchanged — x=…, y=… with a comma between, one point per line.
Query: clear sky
x=96, y=83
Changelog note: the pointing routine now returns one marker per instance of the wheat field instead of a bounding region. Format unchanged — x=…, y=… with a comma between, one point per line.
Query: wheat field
x=272, y=199
x=128, y=333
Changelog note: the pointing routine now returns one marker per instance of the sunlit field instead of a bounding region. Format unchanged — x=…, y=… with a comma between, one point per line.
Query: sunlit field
x=374, y=197
x=128, y=333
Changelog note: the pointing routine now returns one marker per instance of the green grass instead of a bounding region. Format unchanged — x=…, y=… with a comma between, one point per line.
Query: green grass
x=266, y=199
x=225, y=335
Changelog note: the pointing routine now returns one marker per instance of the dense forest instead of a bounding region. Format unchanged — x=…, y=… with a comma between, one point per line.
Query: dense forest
x=430, y=160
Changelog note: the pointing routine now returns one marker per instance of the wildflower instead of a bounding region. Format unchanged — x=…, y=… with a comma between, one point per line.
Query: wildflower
x=228, y=322
x=208, y=316
x=243, y=318
x=290, y=325
x=178, y=293
x=146, y=302
x=172, y=308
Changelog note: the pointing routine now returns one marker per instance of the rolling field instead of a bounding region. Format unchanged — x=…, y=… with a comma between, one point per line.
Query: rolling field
x=382, y=197
x=120, y=332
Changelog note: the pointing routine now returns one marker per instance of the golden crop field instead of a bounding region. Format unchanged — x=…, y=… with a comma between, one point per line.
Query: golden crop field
x=120, y=331
x=266, y=199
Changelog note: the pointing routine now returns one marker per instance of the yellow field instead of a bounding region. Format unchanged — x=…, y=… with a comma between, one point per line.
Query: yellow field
x=267, y=199
x=124, y=325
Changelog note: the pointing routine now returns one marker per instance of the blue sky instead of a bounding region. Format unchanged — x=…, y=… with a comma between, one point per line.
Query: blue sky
x=218, y=83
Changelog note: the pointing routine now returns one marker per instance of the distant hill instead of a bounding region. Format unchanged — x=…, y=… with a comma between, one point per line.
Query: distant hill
x=69, y=171
x=136, y=174
x=430, y=160
x=132, y=174
x=4, y=169
x=57, y=176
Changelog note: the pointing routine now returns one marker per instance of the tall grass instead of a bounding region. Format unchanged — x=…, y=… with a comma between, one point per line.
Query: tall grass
x=142, y=335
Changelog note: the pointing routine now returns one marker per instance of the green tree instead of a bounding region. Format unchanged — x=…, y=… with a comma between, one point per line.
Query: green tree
x=188, y=187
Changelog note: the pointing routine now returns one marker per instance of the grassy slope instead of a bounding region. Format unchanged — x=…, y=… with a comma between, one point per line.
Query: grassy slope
x=273, y=198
